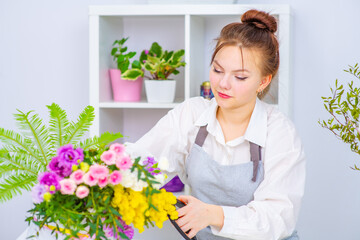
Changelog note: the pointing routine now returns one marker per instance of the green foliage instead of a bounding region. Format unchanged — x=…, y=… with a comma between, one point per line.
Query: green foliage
x=122, y=58
x=343, y=106
x=161, y=64
x=25, y=154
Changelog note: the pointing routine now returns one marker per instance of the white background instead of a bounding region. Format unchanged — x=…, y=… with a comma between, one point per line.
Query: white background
x=44, y=59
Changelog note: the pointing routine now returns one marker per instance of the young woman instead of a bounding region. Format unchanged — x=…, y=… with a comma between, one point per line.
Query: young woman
x=241, y=157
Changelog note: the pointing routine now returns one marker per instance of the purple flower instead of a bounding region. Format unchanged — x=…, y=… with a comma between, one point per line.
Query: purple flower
x=48, y=179
x=37, y=193
x=146, y=52
x=149, y=163
x=128, y=231
x=70, y=155
x=61, y=168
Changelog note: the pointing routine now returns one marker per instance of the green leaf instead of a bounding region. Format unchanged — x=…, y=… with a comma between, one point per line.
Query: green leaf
x=124, y=65
x=77, y=129
x=113, y=51
x=58, y=125
x=124, y=49
x=13, y=185
x=132, y=74
x=123, y=40
x=131, y=54
x=156, y=49
x=104, y=139
x=120, y=58
x=178, y=55
x=136, y=64
x=143, y=57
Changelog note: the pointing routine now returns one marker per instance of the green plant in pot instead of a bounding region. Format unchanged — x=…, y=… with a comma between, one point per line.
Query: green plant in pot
x=161, y=64
x=127, y=79
x=344, y=107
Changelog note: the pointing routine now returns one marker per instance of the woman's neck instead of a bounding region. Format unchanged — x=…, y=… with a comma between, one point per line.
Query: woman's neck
x=234, y=122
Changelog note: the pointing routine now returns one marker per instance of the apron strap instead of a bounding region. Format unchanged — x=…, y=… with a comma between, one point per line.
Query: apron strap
x=255, y=155
x=201, y=135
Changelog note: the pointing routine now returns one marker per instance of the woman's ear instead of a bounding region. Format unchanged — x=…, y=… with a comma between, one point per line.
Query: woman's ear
x=264, y=83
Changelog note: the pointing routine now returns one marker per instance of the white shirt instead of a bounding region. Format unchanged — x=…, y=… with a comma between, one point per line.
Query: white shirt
x=274, y=211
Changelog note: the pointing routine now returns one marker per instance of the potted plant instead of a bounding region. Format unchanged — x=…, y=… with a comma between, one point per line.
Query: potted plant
x=126, y=82
x=161, y=65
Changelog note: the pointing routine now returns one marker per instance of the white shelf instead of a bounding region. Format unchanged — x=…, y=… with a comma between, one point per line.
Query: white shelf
x=142, y=104
x=190, y=27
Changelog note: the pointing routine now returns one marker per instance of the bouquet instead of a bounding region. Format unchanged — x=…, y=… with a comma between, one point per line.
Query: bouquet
x=82, y=189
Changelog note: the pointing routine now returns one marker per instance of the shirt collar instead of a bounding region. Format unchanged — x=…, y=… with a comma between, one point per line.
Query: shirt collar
x=256, y=131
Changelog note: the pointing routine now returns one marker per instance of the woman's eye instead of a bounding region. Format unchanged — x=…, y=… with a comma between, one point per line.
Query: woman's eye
x=241, y=78
x=215, y=70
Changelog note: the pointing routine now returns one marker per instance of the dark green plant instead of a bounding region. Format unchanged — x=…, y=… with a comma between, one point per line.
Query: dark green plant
x=25, y=154
x=122, y=58
x=343, y=106
x=161, y=64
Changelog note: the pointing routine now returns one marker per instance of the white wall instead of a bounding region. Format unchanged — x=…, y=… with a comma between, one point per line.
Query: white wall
x=44, y=59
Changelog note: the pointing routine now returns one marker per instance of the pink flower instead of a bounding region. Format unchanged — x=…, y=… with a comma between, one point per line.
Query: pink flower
x=103, y=182
x=146, y=52
x=77, y=176
x=118, y=148
x=109, y=157
x=68, y=186
x=82, y=191
x=99, y=171
x=89, y=179
x=115, y=177
x=123, y=163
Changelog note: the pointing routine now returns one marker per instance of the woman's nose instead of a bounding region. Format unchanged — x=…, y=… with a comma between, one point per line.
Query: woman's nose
x=225, y=82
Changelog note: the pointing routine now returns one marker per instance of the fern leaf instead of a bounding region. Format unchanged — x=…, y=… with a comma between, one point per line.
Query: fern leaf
x=33, y=128
x=22, y=161
x=97, y=142
x=11, y=138
x=58, y=125
x=76, y=130
x=13, y=185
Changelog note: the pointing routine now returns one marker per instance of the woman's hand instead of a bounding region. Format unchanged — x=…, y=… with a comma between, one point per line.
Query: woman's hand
x=197, y=215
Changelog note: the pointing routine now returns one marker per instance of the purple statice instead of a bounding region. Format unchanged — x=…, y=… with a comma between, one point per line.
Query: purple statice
x=37, y=193
x=128, y=230
x=48, y=179
x=69, y=155
x=59, y=167
x=149, y=163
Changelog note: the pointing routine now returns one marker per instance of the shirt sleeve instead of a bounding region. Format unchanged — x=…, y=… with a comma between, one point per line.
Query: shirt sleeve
x=273, y=213
x=168, y=138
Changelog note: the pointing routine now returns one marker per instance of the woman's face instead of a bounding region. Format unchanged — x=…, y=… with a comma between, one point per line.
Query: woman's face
x=235, y=84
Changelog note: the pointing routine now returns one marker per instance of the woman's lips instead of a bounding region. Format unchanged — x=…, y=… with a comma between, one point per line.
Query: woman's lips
x=222, y=95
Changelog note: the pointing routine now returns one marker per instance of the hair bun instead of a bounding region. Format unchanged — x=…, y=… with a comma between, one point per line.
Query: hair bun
x=260, y=19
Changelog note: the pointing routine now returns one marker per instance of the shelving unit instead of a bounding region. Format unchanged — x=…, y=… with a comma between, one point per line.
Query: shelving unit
x=189, y=27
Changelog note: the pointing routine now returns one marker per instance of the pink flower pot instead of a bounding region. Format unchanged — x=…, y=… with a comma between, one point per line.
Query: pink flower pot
x=125, y=90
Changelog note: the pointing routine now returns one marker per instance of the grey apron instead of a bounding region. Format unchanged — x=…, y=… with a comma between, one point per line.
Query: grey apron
x=225, y=185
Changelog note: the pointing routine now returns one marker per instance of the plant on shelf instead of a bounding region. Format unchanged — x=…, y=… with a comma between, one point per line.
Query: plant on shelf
x=81, y=189
x=122, y=59
x=161, y=64
x=344, y=108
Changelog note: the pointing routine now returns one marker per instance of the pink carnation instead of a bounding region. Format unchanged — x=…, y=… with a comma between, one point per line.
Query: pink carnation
x=103, y=182
x=89, y=179
x=68, y=186
x=99, y=171
x=123, y=163
x=108, y=157
x=118, y=148
x=77, y=176
x=82, y=191
x=115, y=177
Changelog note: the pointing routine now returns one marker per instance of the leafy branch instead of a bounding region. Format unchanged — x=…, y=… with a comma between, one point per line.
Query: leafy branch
x=343, y=106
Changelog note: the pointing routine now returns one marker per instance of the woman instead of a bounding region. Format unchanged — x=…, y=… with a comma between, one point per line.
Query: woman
x=241, y=157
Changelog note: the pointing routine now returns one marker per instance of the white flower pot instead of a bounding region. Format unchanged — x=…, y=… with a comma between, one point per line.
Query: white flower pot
x=160, y=91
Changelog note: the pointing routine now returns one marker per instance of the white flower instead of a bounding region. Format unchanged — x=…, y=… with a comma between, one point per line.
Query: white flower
x=138, y=186
x=163, y=164
x=161, y=179
x=128, y=179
